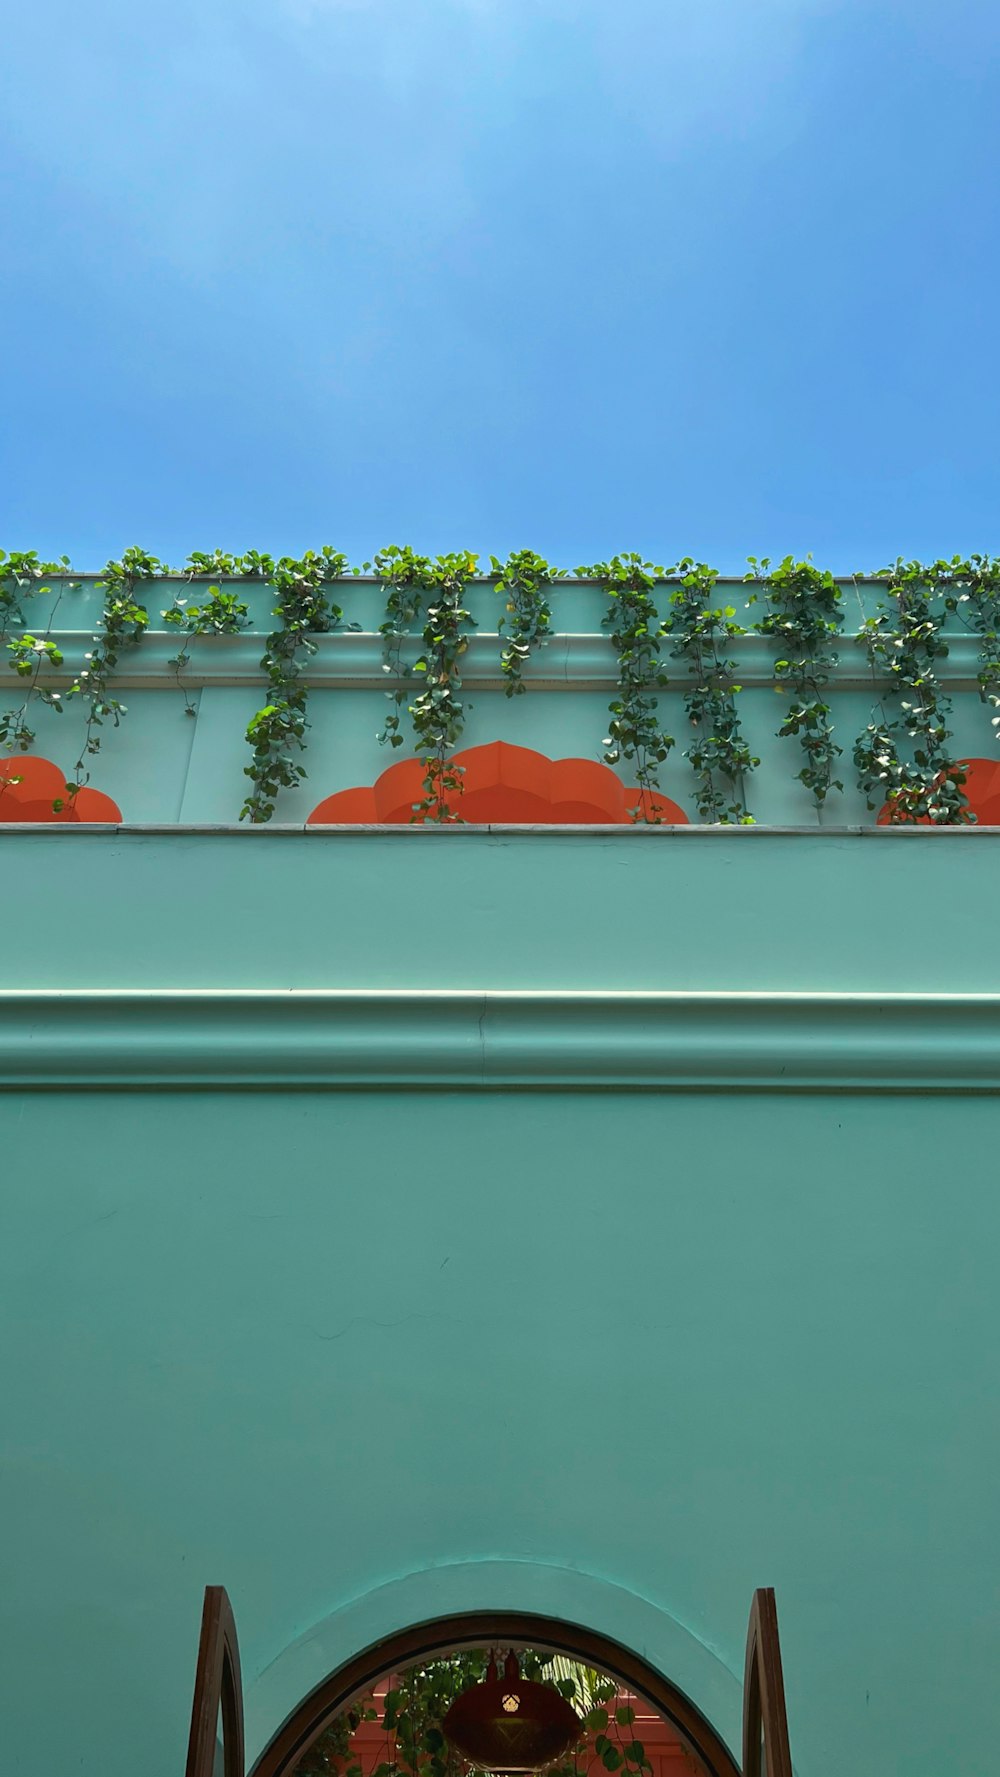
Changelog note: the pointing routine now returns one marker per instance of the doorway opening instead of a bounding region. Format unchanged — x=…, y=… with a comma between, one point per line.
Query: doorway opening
x=391, y=1711
x=381, y=1715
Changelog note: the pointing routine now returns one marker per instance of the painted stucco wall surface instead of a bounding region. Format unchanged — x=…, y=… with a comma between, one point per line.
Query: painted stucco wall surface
x=619, y=1355
x=898, y=909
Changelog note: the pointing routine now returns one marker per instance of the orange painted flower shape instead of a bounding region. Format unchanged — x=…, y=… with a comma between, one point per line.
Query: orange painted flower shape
x=31, y=787
x=503, y=785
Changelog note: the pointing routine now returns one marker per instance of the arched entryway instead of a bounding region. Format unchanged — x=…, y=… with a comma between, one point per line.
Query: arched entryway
x=429, y=1641
x=216, y=1744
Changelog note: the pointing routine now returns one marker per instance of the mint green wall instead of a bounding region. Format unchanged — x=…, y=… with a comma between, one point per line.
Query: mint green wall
x=311, y=1344
x=901, y=909
x=621, y=1355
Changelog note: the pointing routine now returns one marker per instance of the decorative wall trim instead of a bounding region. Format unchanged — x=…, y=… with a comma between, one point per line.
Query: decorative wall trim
x=567, y=662
x=473, y=1041
x=457, y=833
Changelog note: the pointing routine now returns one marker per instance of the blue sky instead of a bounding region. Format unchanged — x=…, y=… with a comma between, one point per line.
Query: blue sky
x=684, y=276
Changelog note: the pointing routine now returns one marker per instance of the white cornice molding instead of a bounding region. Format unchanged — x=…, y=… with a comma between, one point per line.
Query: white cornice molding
x=354, y=661
x=467, y=832
x=495, y=1040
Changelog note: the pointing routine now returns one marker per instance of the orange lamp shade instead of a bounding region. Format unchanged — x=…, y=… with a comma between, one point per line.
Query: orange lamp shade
x=510, y=1724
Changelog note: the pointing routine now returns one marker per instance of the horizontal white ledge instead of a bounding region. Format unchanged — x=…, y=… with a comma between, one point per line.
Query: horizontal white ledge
x=495, y=1040
x=354, y=661
x=469, y=831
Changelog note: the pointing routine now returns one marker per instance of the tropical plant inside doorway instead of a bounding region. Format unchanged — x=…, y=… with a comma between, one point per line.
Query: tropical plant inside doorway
x=396, y=1730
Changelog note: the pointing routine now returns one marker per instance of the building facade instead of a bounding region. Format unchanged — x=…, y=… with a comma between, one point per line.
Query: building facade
x=547, y=1211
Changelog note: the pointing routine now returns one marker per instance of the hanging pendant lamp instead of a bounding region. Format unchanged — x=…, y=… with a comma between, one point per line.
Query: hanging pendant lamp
x=510, y=1724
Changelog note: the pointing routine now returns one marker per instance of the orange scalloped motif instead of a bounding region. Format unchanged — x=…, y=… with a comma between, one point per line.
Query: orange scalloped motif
x=29, y=786
x=502, y=785
x=981, y=787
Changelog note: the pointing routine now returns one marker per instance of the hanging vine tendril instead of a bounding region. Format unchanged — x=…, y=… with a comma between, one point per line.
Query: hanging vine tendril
x=222, y=614
x=697, y=629
x=523, y=582
x=805, y=613
x=437, y=710
x=632, y=621
x=124, y=621
x=278, y=730
x=902, y=755
x=979, y=578
x=405, y=577
x=30, y=655
x=417, y=586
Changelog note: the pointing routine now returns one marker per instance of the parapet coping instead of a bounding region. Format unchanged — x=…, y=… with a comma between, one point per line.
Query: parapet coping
x=468, y=830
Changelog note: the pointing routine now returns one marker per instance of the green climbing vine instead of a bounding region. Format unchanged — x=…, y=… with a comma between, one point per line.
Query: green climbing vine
x=223, y=614
x=437, y=710
x=902, y=755
x=405, y=577
x=19, y=571
x=523, y=582
x=12, y=596
x=218, y=564
x=416, y=586
x=29, y=656
x=720, y=757
x=278, y=730
x=979, y=578
x=804, y=617
x=123, y=622
x=632, y=621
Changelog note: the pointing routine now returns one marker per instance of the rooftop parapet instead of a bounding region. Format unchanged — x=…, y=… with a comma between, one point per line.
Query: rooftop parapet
x=803, y=700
